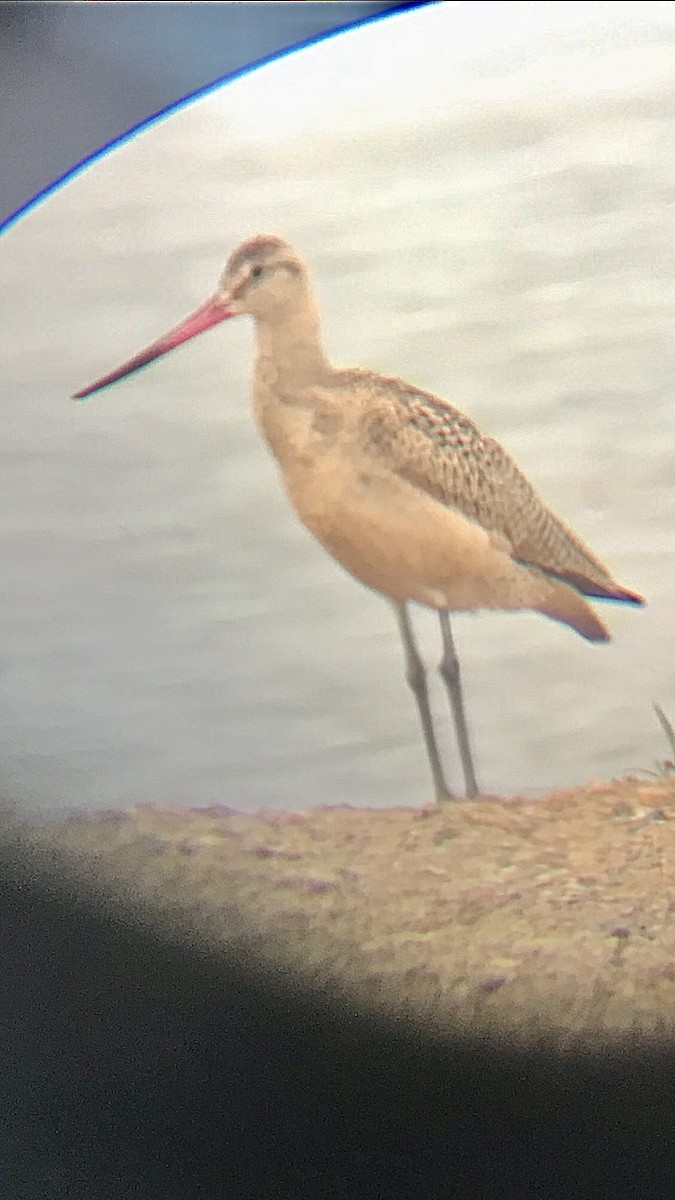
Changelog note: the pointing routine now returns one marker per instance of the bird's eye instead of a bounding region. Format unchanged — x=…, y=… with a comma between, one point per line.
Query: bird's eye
x=256, y=271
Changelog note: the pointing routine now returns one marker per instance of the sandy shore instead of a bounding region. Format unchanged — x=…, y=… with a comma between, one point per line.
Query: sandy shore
x=552, y=918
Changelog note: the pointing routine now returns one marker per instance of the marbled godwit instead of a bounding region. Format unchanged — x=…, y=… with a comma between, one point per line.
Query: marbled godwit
x=400, y=487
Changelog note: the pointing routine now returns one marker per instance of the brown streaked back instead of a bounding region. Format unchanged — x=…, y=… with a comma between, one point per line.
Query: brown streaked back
x=438, y=449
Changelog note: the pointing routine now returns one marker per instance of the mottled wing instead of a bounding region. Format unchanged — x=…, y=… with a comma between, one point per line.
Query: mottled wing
x=436, y=448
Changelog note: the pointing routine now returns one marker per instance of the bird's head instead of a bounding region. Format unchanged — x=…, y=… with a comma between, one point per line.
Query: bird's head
x=264, y=277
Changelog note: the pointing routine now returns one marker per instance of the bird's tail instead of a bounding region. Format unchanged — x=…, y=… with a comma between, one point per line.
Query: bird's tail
x=563, y=603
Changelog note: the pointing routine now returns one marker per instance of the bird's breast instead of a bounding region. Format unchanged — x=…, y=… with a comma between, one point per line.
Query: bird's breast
x=299, y=426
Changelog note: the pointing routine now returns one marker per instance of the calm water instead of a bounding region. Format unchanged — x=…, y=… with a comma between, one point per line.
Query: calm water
x=169, y=632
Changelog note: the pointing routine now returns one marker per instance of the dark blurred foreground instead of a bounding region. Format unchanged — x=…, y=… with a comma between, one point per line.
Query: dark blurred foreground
x=138, y=1063
x=77, y=76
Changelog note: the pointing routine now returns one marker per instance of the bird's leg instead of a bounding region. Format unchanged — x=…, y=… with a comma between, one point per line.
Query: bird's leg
x=449, y=669
x=417, y=679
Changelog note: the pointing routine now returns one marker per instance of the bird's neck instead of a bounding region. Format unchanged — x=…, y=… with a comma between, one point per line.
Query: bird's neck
x=289, y=346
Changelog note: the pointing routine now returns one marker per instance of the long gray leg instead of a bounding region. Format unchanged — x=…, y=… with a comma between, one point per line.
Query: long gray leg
x=449, y=669
x=417, y=679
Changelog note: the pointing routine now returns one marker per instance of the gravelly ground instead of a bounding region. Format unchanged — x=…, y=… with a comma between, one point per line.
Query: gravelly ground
x=551, y=918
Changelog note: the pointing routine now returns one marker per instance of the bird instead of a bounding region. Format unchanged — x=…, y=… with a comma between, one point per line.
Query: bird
x=398, y=485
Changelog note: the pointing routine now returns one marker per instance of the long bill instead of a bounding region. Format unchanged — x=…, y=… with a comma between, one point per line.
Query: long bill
x=211, y=313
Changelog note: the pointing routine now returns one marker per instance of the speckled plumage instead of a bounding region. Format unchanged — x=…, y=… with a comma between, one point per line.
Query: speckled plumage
x=400, y=487
x=397, y=484
x=438, y=449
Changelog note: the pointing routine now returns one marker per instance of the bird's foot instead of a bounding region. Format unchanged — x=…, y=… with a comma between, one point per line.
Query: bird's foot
x=444, y=796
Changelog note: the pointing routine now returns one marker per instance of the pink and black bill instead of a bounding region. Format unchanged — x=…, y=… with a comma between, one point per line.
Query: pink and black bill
x=211, y=313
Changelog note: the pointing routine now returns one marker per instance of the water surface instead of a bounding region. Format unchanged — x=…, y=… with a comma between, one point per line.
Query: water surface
x=169, y=631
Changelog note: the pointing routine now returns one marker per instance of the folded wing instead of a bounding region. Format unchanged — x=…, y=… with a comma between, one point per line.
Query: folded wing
x=440, y=451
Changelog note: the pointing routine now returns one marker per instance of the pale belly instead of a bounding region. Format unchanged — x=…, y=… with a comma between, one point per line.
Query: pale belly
x=406, y=545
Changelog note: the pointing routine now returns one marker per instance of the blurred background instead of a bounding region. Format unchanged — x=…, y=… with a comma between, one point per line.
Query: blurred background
x=485, y=194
